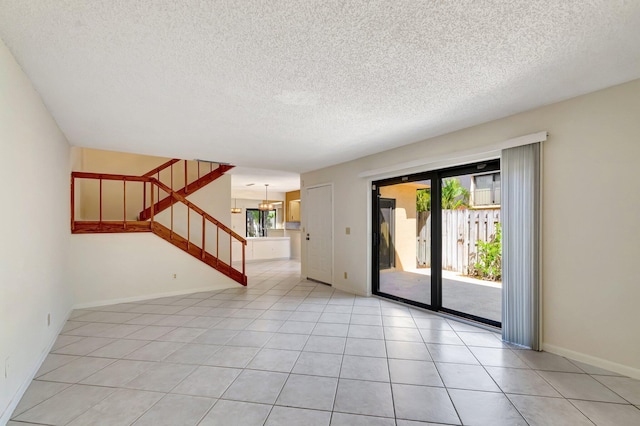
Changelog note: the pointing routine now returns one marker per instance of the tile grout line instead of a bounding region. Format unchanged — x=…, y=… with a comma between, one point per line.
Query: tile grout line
x=295, y=300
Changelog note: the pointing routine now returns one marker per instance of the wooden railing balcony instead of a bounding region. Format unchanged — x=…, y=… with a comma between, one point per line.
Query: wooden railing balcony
x=485, y=197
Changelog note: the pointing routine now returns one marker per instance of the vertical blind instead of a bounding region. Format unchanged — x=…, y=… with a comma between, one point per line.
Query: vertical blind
x=521, y=245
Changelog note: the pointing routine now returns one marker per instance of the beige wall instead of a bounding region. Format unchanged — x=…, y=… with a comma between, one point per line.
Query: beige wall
x=99, y=161
x=590, y=210
x=34, y=169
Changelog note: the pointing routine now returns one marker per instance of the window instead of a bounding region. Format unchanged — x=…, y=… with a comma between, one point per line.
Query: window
x=486, y=190
x=259, y=221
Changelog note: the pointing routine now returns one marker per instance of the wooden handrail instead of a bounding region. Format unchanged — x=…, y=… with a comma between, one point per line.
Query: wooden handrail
x=161, y=167
x=197, y=209
x=109, y=176
x=163, y=203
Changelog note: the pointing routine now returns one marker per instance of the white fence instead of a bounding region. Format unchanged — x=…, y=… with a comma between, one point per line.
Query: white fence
x=461, y=229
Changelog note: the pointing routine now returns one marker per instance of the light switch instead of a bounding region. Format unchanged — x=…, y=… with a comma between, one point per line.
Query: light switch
x=348, y=231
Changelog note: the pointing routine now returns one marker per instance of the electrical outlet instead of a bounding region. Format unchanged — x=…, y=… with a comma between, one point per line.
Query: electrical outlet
x=175, y=276
x=345, y=275
x=48, y=320
x=348, y=231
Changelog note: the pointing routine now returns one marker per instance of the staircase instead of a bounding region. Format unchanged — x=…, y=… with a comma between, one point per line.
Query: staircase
x=189, y=186
x=185, y=225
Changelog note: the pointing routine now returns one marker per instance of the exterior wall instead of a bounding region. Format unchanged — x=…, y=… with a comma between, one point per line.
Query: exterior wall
x=590, y=285
x=405, y=223
x=34, y=167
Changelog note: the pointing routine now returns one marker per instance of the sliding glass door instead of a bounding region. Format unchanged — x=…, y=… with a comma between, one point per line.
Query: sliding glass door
x=437, y=240
x=398, y=213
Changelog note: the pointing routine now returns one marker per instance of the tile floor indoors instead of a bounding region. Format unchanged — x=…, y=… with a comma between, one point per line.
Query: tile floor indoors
x=284, y=352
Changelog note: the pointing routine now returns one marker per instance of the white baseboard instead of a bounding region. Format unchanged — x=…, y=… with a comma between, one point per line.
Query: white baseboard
x=349, y=290
x=6, y=416
x=152, y=296
x=625, y=370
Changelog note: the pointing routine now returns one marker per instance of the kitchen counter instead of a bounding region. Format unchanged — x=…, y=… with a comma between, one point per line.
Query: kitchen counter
x=265, y=248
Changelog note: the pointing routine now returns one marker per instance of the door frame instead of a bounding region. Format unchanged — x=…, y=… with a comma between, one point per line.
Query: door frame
x=435, y=176
x=304, y=216
x=375, y=255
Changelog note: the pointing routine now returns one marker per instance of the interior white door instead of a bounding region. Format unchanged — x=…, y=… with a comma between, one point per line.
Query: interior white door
x=319, y=233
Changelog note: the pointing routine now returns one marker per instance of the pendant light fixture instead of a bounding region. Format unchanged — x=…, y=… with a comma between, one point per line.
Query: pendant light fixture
x=235, y=209
x=265, y=206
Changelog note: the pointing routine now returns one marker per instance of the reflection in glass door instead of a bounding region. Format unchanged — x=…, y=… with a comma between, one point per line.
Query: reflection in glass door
x=437, y=243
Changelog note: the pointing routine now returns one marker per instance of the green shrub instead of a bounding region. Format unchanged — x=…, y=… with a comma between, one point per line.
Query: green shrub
x=489, y=257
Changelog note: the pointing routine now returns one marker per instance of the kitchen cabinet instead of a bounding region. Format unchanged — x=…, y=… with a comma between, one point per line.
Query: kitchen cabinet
x=294, y=211
x=293, y=206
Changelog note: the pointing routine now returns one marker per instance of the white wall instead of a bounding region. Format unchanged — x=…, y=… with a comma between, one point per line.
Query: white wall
x=296, y=242
x=112, y=268
x=590, y=217
x=34, y=169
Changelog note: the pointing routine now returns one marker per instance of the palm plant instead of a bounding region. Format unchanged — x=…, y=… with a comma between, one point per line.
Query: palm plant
x=454, y=195
x=423, y=200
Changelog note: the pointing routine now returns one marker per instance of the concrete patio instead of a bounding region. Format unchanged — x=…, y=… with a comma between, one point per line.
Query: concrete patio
x=464, y=294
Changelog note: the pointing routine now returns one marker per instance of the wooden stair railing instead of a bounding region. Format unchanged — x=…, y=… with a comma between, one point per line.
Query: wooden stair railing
x=182, y=237
x=206, y=174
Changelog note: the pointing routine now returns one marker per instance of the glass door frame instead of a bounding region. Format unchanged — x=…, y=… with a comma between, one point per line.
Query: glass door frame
x=436, y=177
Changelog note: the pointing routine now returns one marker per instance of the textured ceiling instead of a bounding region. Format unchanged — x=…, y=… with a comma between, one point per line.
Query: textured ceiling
x=298, y=85
x=246, y=180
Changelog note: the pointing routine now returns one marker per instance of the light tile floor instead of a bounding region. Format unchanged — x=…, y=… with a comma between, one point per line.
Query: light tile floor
x=285, y=352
